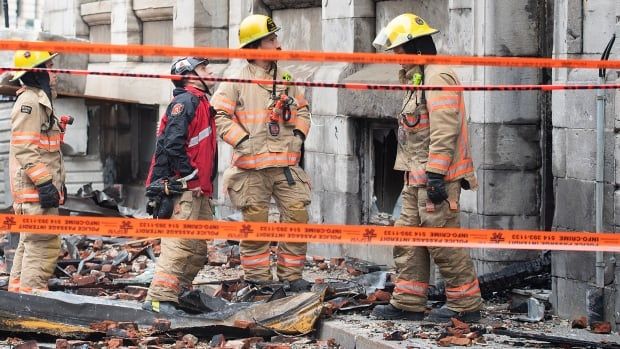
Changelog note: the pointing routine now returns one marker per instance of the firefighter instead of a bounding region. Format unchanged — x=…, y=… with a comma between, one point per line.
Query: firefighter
x=266, y=125
x=36, y=170
x=180, y=181
x=434, y=152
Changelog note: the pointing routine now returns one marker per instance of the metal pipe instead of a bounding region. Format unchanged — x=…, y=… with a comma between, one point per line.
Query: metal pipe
x=5, y=8
x=595, y=298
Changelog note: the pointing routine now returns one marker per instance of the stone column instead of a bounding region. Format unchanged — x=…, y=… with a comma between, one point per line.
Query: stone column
x=63, y=17
x=125, y=28
x=504, y=127
x=201, y=23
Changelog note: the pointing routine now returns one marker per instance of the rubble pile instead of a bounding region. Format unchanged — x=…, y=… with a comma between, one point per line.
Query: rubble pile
x=100, y=283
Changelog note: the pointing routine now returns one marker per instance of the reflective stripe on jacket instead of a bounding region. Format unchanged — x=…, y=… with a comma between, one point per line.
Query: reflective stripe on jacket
x=243, y=111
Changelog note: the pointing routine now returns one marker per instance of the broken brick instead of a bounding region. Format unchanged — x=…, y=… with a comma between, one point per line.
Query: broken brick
x=336, y=261
x=98, y=245
x=323, y=266
x=580, y=322
x=601, y=327
x=84, y=280
x=318, y=259
x=114, y=343
x=244, y=324
x=62, y=343
x=353, y=272
x=329, y=343
x=190, y=340
x=27, y=345
x=462, y=341
x=103, y=326
x=160, y=325
x=393, y=336
x=382, y=296
x=106, y=268
x=127, y=326
x=456, y=323
x=445, y=341
x=131, y=297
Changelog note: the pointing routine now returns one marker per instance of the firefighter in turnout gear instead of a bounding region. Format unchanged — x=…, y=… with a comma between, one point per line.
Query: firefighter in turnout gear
x=36, y=170
x=434, y=153
x=266, y=125
x=180, y=181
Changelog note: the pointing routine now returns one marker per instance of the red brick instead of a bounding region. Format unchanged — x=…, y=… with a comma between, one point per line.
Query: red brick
x=161, y=325
x=106, y=268
x=580, y=322
x=601, y=327
x=114, y=343
x=318, y=259
x=84, y=280
x=98, y=245
x=244, y=324
x=62, y=343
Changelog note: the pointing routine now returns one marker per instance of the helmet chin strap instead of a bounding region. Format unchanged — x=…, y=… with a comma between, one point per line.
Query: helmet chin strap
x=206, y=89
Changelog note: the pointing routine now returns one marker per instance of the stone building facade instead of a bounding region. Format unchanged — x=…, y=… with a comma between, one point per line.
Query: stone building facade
x=534, y=151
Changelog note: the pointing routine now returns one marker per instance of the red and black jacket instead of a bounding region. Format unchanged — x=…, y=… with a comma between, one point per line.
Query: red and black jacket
x=186, y=140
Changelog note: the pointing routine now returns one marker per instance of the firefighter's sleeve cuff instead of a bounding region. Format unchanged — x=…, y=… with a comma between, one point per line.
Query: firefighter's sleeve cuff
x=234, y=135
x=438, y=163
x=38, y=174
x=302, y=126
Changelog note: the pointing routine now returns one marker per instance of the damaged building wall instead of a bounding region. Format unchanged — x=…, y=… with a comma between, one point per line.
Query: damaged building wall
x=351, y=134
x=582, y=30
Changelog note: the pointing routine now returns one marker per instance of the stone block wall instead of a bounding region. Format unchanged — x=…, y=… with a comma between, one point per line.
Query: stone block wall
x=582, y=31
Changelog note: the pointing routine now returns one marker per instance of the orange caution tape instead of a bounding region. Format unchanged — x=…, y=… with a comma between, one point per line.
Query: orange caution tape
x=343, y=85
x=357, y=57
x=323, y=233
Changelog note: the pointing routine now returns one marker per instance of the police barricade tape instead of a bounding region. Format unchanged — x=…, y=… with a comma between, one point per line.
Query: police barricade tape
x=356, y=57
x=351, y=86
x=316, y=233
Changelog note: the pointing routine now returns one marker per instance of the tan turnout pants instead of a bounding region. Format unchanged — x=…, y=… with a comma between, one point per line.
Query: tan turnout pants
x=413, y=263
x=251, y=191
x=180, y=259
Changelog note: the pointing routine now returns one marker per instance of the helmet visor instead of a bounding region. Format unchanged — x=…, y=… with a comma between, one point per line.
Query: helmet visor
x=381, y=41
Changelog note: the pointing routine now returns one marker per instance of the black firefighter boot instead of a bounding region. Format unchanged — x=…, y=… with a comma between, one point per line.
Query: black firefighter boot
x=390, y=312
x=444, y=314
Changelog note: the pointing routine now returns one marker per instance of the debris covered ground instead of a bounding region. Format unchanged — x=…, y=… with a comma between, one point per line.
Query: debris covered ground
x=100, y=282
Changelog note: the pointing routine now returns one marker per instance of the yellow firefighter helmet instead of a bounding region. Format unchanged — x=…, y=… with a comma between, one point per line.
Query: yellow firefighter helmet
x=255, y=27
x=29, y=59
x=402, y=29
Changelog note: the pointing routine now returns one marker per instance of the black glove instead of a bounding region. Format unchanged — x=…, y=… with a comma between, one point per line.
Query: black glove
x=160, y=206
x=300, y=135
x=48, y=195
x=436, y=188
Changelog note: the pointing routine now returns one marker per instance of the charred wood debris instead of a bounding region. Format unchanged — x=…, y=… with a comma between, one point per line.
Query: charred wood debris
x=100, y=282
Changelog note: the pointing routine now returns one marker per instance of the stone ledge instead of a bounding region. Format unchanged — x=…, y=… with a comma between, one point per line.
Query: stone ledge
x=97, y=13
x=154, y=10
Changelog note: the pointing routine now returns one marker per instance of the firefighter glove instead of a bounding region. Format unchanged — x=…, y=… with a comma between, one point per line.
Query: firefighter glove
x=436, y=188
x=48, y=195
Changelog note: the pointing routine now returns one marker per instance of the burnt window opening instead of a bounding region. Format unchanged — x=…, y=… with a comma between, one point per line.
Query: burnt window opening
x=123, y=135
x=382, y=184
x=388, y=183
